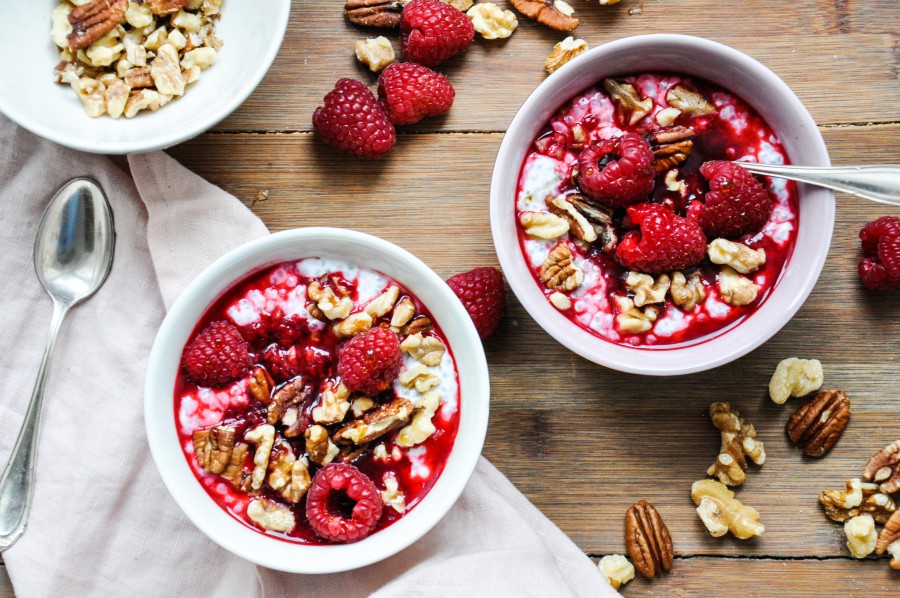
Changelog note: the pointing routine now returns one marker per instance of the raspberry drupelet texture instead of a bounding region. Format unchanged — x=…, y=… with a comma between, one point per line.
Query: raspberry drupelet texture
x=432, y=31
x=408, y=92
x=343, y=505
x=879, y=270
x=370, y=362
x=618, y=171
x=217, y=356
x=482, y=294
x=351, y=120
x=283, y=364
x=736, y=203
x=665, y=242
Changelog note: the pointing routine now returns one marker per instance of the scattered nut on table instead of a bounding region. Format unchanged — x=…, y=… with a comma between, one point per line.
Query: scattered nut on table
x=884, y=468
x=818, y=424
x=555, y=14
x=375, y=53
x=861, y=536
x=563, y=52
x=889, y=540
x=795, y=378
x=721, y=512
x=647, y=540
x=491, y=21
x=859, y=498
x=375, y=13
x=617, y=569
x=738, y=443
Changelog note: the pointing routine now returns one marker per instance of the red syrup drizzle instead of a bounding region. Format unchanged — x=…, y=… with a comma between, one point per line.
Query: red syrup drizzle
x=246, y=414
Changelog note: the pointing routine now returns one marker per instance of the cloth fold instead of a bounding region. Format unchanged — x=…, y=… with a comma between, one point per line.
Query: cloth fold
x=102, y=523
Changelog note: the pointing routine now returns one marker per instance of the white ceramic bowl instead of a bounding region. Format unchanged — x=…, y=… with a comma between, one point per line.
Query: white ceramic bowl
x=365, y=251
x=252, y=32
x=726, y=67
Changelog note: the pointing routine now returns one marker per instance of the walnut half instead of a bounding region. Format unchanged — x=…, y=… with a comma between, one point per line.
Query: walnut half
x=563, y=52
x=738, y=443
x=858, y=499
x=721, y=512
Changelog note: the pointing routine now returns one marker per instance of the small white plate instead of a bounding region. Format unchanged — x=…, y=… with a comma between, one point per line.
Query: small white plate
x=252, y=32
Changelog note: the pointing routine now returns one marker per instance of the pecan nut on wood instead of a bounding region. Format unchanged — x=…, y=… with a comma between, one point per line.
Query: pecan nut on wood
x=375, y=13
x=818, y=424
x=671, y=147
x=884, y=468
x=889, y=540
x=92, y=21
x=555, y=14
x=647, y=540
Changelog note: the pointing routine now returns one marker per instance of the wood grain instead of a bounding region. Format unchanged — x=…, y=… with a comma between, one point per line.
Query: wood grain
x=6, y=589
x=583, y=442
x=841, y=58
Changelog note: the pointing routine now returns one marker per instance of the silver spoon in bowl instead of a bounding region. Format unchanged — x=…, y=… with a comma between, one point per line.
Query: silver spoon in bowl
x=879, y=183
x=73, y=254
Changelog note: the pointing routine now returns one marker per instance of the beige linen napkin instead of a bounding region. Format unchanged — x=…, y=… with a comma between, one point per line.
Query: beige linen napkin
x=102, y=524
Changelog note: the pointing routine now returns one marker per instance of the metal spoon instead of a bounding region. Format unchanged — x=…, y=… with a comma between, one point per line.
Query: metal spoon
x=878, y=183
x=73, y=253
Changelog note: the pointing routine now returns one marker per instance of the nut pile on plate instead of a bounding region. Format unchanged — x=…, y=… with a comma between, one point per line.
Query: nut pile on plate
x=122, y=57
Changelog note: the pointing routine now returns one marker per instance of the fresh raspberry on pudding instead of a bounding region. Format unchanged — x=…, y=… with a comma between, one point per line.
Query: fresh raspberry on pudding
x=665, y=242
x=218, y=355
x=482, y=294
x=879, y=270
x=370, y=362
x=736, y=203
x=432, y=31
x=408, y=92
x=343, y=505
x=617, y=172
x=352, y=121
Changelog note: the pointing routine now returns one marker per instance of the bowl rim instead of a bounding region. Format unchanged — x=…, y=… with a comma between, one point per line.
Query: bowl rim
x=655, y=361
x=237, y=537
x=165, y=137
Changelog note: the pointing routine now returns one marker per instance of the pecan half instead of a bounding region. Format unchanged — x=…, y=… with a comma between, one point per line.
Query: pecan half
x=213, y=448
x=165, y=7
x=559, y=271
x=92, y=21
x=889, y=538
x=600, y=217
x=671, y=147
x=818, y=424
x=555, y=14
x=375, y=13
x=293, y=393
x=884, y=468
x=139, y=78
x=578, y=224
x=386, y=418
x=647, y=540
x=260, y=385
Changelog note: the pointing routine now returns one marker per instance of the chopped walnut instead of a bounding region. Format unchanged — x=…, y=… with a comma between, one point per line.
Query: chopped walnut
x=287, y=475
x=861, y=536
x=559, y=271
x=92, y=94
x=419, y=325
x=738, y=443
x=427, y=350
x=319, y=447
x=270, y=515
x=329, y=304
x=667, y=116
x=379, y=453
x=795, y=378
x=687, y=292
x=543, y=225
x=860, y=498
x=578, y=224
x=563, y=52
x=117, y=94
x=420, y=428
x=360, y=406
x=375, y=53
x=391, y=495
x=403, y=313
x=738, y=256
x=333, y=404
x=673, y=183
x=721, y=512
x=631, y=319
x=383, y=303
x=689, y=102
x=419, y=377
x=264, y=438
x=352, y=325
x=735, y=289
x=386, y=418
x=560, y=301
x=626, y=96
x=491, y=21
x=647, y=290
x=617, y=569
x=460, y=5
x=166, y=71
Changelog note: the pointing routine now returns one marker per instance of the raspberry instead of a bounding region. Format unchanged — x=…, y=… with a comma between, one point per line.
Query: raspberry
x=369, y=362
x=352, y=121
x=283, y=364
x=432, y=31
x=736, y=203
x=482, y=294
x=316, y=362
x=408, y=92
x=665, y=242
x=880, y=269
x=218, y=355
x=343, y=505
x=288, y=330
x=617, y=182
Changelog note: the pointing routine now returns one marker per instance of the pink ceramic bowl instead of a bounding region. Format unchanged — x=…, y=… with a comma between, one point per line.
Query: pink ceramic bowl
x=725, y=67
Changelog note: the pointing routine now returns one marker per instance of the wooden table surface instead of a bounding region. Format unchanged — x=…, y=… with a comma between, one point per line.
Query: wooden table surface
x=581, y=441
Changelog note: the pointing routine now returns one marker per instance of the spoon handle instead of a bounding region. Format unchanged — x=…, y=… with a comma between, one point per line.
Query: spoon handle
x=878, y=183
x=17, y=481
